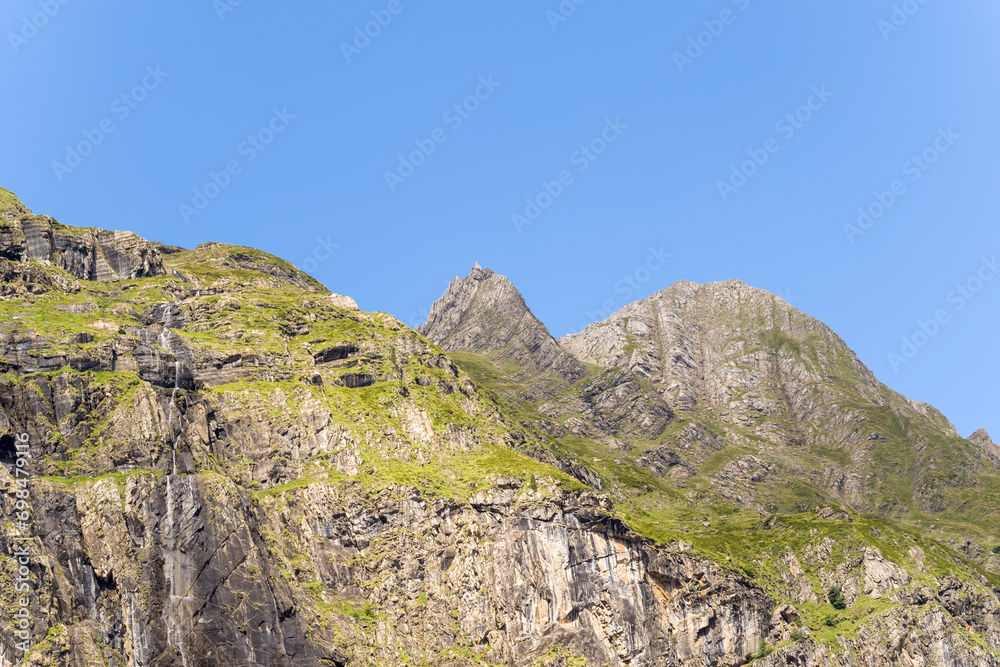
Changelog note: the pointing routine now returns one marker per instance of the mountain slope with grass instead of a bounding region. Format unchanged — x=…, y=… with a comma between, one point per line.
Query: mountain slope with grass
x=231, y=465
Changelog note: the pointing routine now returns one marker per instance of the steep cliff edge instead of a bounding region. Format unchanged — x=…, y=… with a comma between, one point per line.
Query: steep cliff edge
x=85, y=253
x=232, y=466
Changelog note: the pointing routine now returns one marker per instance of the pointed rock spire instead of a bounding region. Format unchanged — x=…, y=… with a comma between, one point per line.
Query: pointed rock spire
x=485, y=313
x=982, y=438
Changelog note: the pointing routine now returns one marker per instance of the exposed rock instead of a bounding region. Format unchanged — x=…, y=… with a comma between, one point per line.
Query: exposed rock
x=982, y=438
x=341, y=301
x=485, y=313
x=88, y=254
x=881, y=576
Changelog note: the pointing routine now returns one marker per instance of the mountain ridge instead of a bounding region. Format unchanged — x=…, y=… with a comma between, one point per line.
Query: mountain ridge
x=232, y=465
x=752, y=370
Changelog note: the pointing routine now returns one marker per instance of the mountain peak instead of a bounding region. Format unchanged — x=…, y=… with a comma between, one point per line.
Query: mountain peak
x=479, y=273
x=982, y=438
x=485, y=313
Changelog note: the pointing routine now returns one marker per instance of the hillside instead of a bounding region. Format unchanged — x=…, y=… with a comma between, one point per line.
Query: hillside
x=231, y=465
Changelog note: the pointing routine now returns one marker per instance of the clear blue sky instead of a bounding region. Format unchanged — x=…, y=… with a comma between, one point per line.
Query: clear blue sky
x=672, y=130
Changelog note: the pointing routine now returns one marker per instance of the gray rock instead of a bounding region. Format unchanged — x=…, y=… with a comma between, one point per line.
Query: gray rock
x=485, y=313
x=87, y=254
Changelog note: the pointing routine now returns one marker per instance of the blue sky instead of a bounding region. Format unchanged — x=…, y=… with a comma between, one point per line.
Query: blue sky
x=737, y=137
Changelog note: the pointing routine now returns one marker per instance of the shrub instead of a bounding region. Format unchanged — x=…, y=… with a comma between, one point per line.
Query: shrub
x=837, y=598
x=996, y=549
x=830, y=620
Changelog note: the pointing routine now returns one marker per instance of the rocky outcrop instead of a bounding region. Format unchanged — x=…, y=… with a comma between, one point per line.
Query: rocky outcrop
x=85, y=253
x=485, y=313
x=342, y=301
x=982, y=438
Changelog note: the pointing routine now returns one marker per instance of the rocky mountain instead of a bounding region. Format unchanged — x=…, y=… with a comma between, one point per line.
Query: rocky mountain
x=485, y=313
x=764, y=408
x=230, y=465
x=982, y=438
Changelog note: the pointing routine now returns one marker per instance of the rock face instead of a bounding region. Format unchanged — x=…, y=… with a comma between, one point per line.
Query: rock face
x=982, y=438
x=87, y=254
x=485, y=313
x=231, y=466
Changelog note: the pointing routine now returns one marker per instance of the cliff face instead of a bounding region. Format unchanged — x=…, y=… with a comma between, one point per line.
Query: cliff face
x=232, y=466
x=88, y=254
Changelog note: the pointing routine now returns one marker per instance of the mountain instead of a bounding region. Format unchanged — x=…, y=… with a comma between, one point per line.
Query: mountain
x=485, y=313
x=767, y=377
x=231, y=465
x=764, y=408
x=742, y=378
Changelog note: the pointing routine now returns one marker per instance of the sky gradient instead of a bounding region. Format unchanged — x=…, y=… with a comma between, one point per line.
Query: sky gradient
x=571, y=147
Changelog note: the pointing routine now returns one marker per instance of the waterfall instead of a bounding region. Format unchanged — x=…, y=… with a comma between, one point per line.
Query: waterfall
x=177, y=564
x=166, y=344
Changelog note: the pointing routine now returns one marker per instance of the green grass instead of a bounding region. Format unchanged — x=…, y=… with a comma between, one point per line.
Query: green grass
x=716, y=461
x=8, y=201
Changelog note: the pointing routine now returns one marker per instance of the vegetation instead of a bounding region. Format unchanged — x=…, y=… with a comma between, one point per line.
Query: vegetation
x=836, y=597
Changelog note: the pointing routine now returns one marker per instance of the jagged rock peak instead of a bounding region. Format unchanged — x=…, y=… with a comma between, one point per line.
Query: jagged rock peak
x=485, y=313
